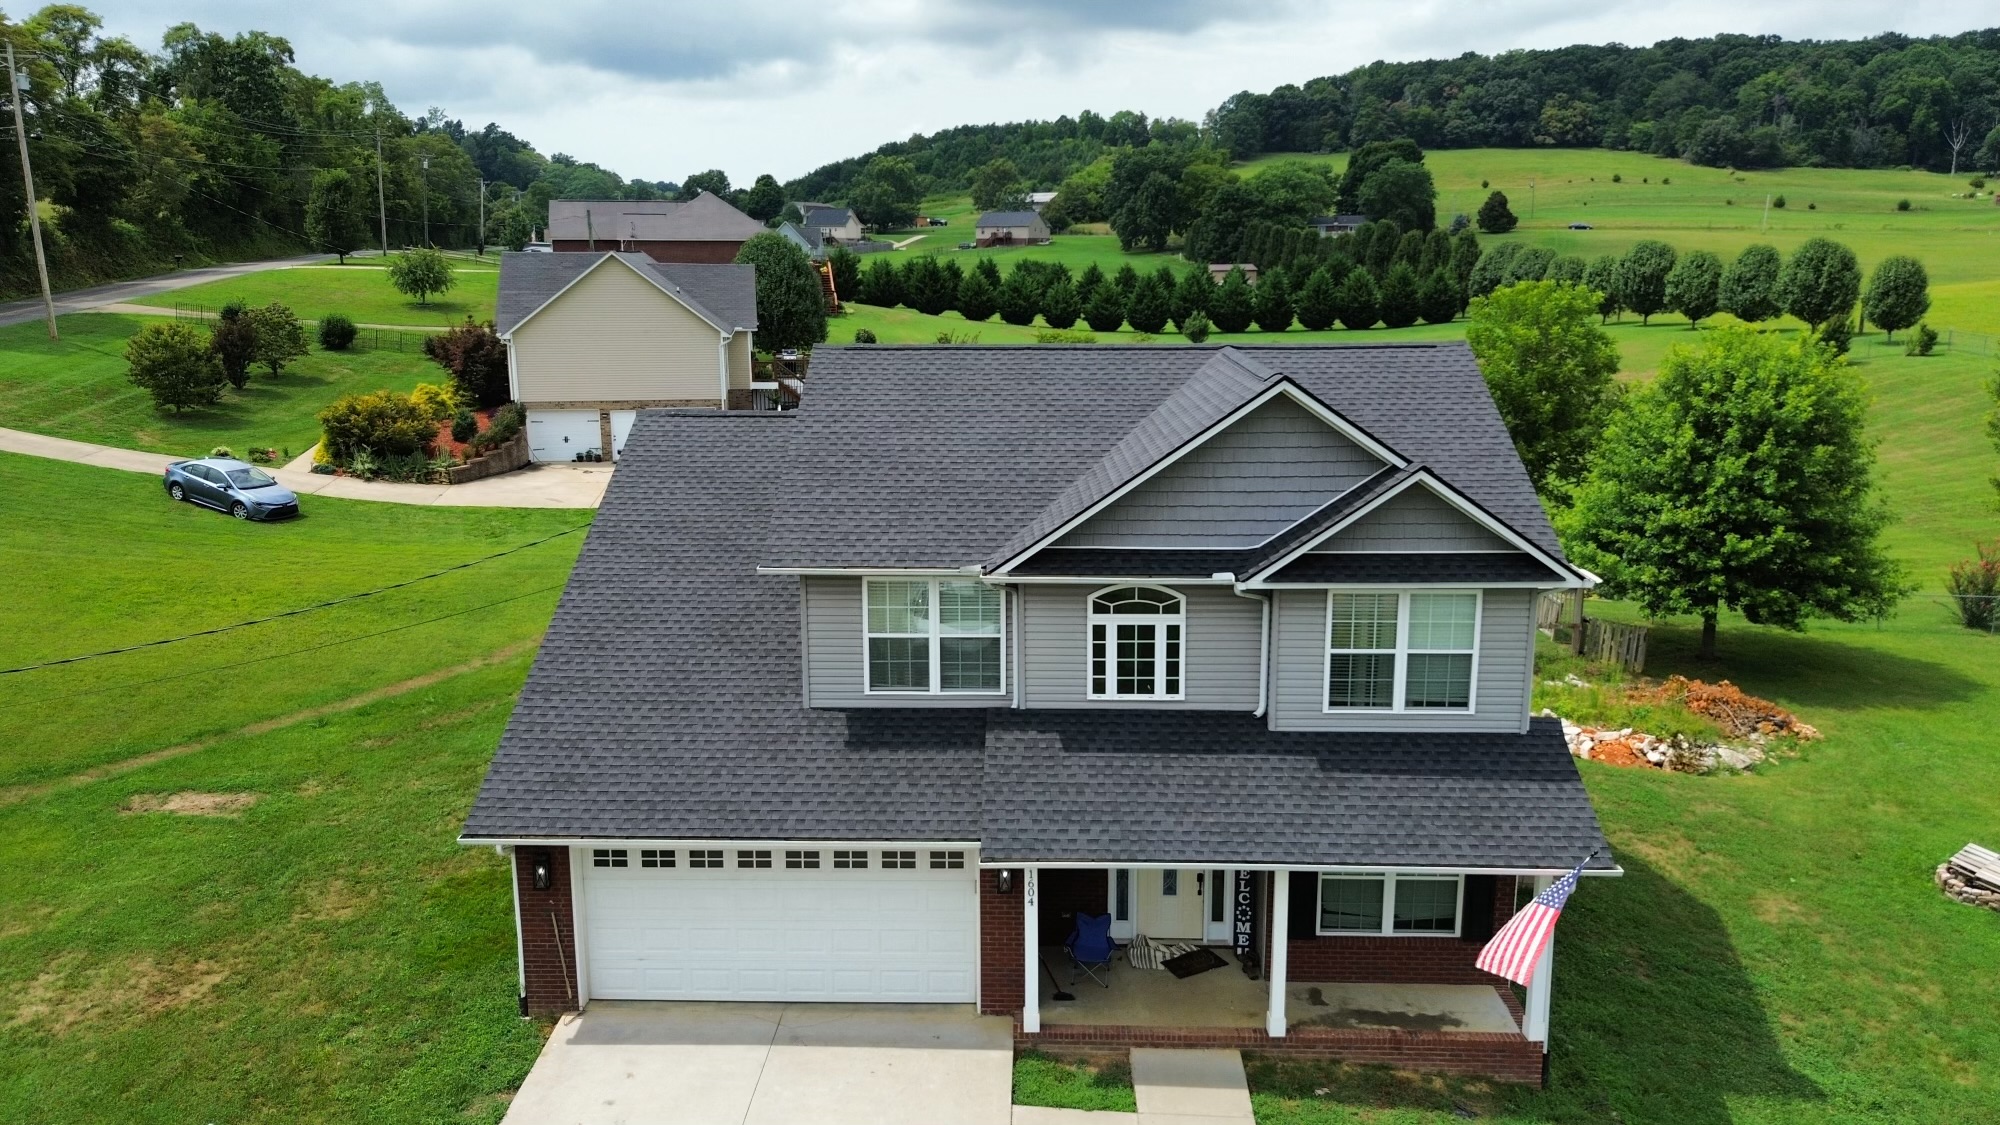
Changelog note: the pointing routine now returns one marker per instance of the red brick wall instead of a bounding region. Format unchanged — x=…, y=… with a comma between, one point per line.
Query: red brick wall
x=723, y=252
x=1506, y=1057
x=1396, y=960
x=548, y=947
x=1000, y=952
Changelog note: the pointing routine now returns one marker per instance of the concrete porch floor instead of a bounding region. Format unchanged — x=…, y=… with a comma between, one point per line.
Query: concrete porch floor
x=1225, y=997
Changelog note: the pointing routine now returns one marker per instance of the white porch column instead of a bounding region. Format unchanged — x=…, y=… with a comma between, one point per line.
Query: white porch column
x=1535, y=1025
x=1031, y=995
x=1281, y=927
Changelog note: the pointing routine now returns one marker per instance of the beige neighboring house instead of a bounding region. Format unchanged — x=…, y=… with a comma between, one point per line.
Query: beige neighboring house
x=1003, y=227
x=594, y=339
x=838, y=224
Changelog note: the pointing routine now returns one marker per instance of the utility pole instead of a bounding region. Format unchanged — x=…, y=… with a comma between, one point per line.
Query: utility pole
x=17, y=84
x=381, y=206
x=426, y=161
x=1766, y=224
x=482, y=218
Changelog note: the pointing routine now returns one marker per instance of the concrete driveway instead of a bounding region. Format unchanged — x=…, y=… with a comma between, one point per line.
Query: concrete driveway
x=652, y=1063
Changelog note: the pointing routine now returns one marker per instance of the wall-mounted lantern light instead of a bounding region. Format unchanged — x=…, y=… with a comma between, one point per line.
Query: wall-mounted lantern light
x=544, y=871
x=1004, y=882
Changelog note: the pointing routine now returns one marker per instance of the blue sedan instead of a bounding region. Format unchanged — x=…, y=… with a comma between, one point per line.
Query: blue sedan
x=228, y=485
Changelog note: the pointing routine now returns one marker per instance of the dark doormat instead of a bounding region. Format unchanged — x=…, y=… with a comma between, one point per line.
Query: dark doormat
x=1192, y=962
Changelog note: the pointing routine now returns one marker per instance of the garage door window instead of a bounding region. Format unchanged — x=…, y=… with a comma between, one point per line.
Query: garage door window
x=953, y=861
x=757, y=858
x=654, y=857
x=801, y=861
x=711, y=857
x=607, y=857
x=850, y=861
x=904, y=860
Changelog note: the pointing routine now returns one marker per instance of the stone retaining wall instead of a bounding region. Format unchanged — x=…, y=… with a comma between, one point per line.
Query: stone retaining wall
x=503, y=459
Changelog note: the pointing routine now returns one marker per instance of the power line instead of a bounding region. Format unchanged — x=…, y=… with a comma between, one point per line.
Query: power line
x=293, y=612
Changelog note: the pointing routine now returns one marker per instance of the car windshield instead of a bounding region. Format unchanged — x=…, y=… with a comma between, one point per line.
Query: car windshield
x=250, y=478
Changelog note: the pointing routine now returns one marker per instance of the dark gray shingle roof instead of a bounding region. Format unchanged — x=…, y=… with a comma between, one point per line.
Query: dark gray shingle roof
x=940, y=456
x=1009, y=219
x=726, y=294
x=828, y=216
x=1474, y=567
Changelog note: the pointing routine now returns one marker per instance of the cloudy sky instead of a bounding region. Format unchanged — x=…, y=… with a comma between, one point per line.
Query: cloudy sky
x=659, y=90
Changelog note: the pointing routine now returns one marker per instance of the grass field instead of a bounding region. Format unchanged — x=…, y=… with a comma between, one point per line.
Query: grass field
x=76, y=388
x=359, y=289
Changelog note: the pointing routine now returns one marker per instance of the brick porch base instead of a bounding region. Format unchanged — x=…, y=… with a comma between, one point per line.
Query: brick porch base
x=1506, y=1057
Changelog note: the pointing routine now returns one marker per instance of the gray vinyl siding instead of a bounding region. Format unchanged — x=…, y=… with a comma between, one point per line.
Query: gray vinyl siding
x=834, y=644
x=1268, y=471
x=1506, y=654
x=1220, y=650
x=1416, y=520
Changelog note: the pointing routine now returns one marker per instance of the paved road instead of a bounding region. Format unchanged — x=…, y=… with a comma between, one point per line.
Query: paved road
x=83, y=300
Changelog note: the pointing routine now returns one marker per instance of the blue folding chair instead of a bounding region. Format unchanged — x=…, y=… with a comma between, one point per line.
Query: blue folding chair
x=1090, y=948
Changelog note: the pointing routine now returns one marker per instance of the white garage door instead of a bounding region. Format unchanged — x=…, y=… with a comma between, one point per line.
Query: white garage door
x=778, y=924
x=559, y=435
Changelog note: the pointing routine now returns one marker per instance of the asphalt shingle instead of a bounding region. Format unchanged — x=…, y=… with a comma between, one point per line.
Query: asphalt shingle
x=724, y=294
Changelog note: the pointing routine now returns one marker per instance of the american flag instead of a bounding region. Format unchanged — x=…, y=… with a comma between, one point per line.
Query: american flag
x=1517, y=948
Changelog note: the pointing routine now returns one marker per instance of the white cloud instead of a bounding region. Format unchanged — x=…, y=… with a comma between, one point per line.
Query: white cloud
x=661, y=90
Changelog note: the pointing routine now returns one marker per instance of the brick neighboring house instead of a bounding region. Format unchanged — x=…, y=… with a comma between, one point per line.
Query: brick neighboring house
x=703, y=229
x=594, y=338
x=1010, y=227
x=868, y=701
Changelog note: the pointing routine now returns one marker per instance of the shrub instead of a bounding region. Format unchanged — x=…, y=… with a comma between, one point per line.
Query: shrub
x=383, y=423
x=1778, y=201
x=221, y=451
x=1195, y=327
x=1063, y=336
x=464, y=426
x=864, y=336
x=1975, y=585
x=280, y=337
x=1922, y=341
x=336, y=332
x=1666, y=179
x=1902, y=205
x=1978, y=182
x=506, y=423
x=1810, y=206
x=477, y=360
x=437, y=403
x=950, y=337
x=421, y=272
x=1837, y=334
x=1616, y=178
x=233, y=339
x=173, y=363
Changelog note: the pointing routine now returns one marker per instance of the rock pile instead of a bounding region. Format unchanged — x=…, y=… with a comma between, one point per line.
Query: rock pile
x=1727, y=706
x=1972, y=876
x=1628, y=747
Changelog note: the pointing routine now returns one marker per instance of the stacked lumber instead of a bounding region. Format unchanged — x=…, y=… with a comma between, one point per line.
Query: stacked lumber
x=1972, y=876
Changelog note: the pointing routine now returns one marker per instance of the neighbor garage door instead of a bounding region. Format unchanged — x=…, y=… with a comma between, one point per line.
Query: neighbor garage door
x=559, y=435
x=779, y=924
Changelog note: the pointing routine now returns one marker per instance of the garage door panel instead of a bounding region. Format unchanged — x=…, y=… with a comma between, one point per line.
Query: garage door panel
x=776, y=934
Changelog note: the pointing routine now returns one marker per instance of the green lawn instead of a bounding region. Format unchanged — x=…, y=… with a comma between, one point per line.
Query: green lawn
x=76, y=388
x=359, y=289
x=1044, y=1080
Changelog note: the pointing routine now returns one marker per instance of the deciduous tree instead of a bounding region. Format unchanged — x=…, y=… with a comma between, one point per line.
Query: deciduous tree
x=477, y=359
x=791, y=306
x=1694, y=284
x=421, y=272
x=172, y=362
x=1550, y=371
x=1642, y=277
x=233, y=339
x=888, y=194
x=280, y=338
x=764, y=199
x=995, y=180
x=1899, y=294
x=335, y=220
x=1820, y=282
x=1749, y=290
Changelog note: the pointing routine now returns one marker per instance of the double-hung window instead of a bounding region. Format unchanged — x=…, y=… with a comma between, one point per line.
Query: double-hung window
x=933, y=636
x=1136, y=638
x=1390, y=904
x=1409, y=651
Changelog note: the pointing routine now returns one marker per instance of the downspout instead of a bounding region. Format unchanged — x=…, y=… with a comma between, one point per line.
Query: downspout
x=520, y=951
x=722, y=365
x=1020, y=616
x=1263, y=650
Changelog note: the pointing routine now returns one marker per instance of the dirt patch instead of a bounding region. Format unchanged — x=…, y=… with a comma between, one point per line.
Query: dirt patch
x=77, y=990
x=191, y=803
x=337, y=901
x=487, y=1106
x=1776, y=909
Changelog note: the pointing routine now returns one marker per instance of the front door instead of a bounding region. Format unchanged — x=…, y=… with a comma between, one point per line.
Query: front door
x=1171, y=903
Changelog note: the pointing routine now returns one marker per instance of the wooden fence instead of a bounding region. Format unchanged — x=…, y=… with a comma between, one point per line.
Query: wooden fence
x=1604, y=641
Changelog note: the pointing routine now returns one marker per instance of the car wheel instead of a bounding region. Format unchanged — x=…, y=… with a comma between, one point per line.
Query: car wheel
x=240, y=510
x=176, y=491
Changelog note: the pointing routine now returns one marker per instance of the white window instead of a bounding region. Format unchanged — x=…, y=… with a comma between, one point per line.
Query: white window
x=1136, y=639
x=933, y=636
x=607, y=857
x=1390, y=904
x=705, y=857
x=1412, y=651
x=802, y=860
x=903, y=861
x=760, y=857
x=951, y=861
x=655, y=857
x=850, y=860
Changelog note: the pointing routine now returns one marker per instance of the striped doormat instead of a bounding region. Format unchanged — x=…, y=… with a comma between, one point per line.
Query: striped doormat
x=1146, y=953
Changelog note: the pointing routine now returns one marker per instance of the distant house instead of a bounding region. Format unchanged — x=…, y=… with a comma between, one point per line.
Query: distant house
x=836, y=224
x=594, y=338
x=703, y=229
x=1040, y=199
x=1337, y=224
x=1005, y=227
x=1219, y=270
x=806, y=239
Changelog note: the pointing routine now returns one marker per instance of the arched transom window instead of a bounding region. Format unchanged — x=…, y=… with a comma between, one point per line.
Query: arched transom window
x=1135, y=643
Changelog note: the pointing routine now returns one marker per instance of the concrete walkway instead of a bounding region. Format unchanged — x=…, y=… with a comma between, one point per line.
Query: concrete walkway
x=1185, y=1087
x=96, y=296
x=659, y=1063
x=537, y=486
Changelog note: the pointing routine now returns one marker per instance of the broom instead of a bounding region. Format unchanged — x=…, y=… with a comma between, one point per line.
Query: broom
x=1059, y=994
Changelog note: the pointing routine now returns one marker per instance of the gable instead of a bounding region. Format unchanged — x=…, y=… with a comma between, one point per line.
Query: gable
x=1272, y=468
x=1416, y=519
x=615, y=336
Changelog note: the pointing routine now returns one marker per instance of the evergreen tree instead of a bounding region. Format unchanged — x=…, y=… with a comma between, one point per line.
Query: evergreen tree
x=1410, y=249
x=1642, y=277
x=991, y=269
x=925, y=286
x=1196, y=328
x=1020, y=296
x=233, y=340
x=1060, y=307
x=1382, y=248
x=1272, y=301
x=1820, y=282
x=1739, y=478
x=977, y=297
x=1191, y=295
x=1749, y=289
x=1232, y=307
x=1694, y=285
x=1437, y=251
x=1465, y=255
x=1602, y=278
x=1401, y=301
x=1319, y=301
x=1438, y=299
x=1899, y=294
x=1088, y=281
x=1106, y=310
x=1127, y=279
x=1360, y=304
x=1148, y=310
x=954, y=280
x=846, y=266
x=881, y=284
x=1494, y=216
x=1551, y=373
